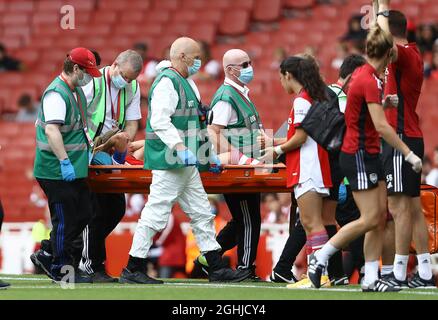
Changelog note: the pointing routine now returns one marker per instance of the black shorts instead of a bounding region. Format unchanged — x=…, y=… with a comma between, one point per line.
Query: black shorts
x=363, y=170
x=400, y=177
x=336, y=175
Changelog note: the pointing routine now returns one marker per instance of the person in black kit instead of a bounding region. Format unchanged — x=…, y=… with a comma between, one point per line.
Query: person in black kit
x=3, y=285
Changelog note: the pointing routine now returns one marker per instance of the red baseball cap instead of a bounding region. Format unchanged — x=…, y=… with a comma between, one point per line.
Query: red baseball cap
x=85, y=58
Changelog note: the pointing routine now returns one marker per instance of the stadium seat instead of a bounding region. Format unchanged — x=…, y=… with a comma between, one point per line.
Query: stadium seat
x=209, y=15
x=49, y=5
x=158, y=16
x=299, y=4
x=185, y=16
x=205, y=32
x=234, y=23
x=167, y=5
x=15, y=19
x=19, y=6
x=266, y=11
x=132, y=17
x=111, y=5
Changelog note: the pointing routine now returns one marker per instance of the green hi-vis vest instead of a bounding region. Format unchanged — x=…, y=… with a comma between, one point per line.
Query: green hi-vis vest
x=97, y=109
x=243, y=134
x=46, y=164
x=157, y=155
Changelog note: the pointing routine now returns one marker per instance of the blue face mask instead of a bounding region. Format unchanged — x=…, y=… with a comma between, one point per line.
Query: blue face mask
x=195, y=67
x=246, y=75
x=119, y=82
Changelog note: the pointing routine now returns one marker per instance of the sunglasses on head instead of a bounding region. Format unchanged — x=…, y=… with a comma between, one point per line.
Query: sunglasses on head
x=243, y=65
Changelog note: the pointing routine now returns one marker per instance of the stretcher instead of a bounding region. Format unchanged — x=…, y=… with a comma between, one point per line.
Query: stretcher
x=233, y=179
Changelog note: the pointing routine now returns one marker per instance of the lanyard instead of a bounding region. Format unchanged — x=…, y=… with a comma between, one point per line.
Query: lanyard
x=78, y=101
x=81, y=110
x=249, y=106
x=115, y=116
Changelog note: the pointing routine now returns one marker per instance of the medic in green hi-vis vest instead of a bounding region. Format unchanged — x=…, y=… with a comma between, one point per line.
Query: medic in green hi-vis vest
x=61, y=163
x=113, y=116
x=234, y=129
x=190, y=122
x=114, y=107
x=173, y=150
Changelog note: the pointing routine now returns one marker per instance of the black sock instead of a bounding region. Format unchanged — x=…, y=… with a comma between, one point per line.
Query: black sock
x=137, y=264
x=214, y=260
x=335, y=267
x=294, y=244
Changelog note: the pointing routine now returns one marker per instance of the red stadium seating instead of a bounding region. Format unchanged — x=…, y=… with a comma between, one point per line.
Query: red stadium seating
x=234, y=22
x=30, y=30
x=266, y=11
x=299, y=4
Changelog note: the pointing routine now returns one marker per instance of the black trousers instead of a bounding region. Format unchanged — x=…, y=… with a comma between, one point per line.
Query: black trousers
x=70, y=211
x=243, y=229
x=2, y=215
x=108, y=211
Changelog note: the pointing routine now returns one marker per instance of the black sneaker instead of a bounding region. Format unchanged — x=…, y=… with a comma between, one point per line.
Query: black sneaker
x=102, y=277
x=137, y=277
x=419, y=283
x=342, y=281
x=43, y=261
x=380, y=286
x=4, y=285
x=390, y=278
x=79, y=277
x=314, y=271
x=202, y=263
x=282, y=278
x=229, y=275
x=253, y=277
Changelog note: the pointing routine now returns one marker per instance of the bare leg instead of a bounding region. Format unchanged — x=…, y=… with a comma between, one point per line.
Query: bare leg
x=420, y=233
x=310, y=205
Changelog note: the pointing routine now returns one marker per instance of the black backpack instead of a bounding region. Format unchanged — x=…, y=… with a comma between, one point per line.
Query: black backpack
x=325, y=123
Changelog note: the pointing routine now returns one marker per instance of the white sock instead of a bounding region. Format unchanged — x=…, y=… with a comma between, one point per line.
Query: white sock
x=386, y=269
x=371, y=272
x=323, y=255
x=424, y=266
x=400, y=266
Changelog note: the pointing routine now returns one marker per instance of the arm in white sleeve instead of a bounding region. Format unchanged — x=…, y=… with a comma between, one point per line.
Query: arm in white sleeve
x=133, y=109
x=163, y=105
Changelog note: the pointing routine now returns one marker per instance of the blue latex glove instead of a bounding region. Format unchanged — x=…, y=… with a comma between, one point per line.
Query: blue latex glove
x=67, y=170
x=342, y=193
x=187, y=157
x=102, y=158
x=215, y=163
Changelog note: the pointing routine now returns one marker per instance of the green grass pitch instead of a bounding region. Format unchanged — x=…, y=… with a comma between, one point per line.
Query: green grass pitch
x=32, y=287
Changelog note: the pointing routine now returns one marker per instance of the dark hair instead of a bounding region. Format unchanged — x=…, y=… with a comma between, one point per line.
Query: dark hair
x=97, y=57
x=68, y=66
x=205, y=47
x=2, y=48
x=351, y=63
x=24, y=100
x=306, y=71
x=379, y=42
x=140, y=46
x=398, y=24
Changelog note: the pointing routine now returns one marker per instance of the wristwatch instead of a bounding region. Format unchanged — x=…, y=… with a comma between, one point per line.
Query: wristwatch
x=384, y=13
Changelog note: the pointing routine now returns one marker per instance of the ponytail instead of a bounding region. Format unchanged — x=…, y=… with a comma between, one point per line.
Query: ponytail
x=305, y=70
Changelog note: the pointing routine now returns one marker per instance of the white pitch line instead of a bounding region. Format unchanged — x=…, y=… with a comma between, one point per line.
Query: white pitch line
x=24, y=279
x=218, y=286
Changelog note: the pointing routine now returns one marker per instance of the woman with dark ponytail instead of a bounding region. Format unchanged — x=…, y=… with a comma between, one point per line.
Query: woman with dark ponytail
x=360, y=162
x=308, y=169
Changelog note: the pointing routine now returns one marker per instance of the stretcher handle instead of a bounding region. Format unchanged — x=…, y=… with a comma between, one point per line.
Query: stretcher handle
x=230, y=167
